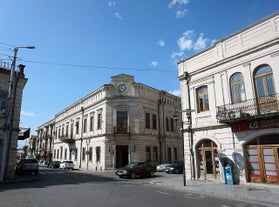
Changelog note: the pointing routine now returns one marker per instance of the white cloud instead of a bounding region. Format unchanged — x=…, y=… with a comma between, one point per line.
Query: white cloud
x=25, y=113
x=177, y=54
x=161, y=43
x=186, y=41
x=111, y=3
x=118, y=16
x=180, y=13
x=200, y=43
x=154, y=63
x=175, y=92
x=174, y=3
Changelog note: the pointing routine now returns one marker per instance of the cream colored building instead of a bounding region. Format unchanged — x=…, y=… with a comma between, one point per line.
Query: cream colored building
x=231, y=109
x=118, y=123
x=9, y=132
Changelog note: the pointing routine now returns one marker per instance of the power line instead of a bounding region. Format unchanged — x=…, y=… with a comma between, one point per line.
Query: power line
x=97, y=67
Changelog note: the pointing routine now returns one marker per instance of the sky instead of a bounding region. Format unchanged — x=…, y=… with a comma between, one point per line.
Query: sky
x=81, y=44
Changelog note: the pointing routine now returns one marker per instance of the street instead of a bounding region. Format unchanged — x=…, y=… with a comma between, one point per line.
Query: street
x=79, y=188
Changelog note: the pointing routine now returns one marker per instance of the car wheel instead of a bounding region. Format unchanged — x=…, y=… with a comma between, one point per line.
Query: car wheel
x=151, y=174
x=133, y=175
x=36, y=172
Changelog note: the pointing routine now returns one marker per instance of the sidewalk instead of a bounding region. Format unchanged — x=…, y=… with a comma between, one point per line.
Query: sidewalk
x=261, y=194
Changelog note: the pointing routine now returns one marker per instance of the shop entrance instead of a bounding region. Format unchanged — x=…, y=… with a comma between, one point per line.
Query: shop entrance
x=121, y=155
x=208, y=167
x=263, y=159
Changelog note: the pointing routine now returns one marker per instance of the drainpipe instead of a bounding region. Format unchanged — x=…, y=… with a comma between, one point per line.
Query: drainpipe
x=189, y=116
x=81, y=136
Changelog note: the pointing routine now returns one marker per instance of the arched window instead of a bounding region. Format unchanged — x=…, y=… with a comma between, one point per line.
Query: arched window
x=263, y=77
x=202, y=99
x=237, y=88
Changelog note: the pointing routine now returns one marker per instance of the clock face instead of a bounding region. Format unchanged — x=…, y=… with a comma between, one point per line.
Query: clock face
x=122, y=88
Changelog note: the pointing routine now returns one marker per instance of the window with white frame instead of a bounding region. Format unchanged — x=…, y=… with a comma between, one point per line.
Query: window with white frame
x=202, y=99
x=237, y=88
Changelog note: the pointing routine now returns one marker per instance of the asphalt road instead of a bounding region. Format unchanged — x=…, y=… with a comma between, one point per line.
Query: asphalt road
x=53, y=188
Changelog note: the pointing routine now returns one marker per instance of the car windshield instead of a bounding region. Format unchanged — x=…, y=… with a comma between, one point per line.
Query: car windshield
x=133, y=165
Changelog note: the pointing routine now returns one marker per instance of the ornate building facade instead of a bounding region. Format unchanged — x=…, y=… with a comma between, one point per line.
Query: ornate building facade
x=231, y=108
x=118, y=123
x=10, y=107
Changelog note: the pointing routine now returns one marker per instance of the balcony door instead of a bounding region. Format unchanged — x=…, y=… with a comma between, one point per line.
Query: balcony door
x=266, y=97
x=122, y=120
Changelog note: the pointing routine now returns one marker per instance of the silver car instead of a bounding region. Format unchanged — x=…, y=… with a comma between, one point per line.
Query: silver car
x=67, y=164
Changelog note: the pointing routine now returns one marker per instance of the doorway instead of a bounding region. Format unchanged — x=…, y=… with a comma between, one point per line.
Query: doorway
x=208, y=161
x=262, y=158
x=122, y=158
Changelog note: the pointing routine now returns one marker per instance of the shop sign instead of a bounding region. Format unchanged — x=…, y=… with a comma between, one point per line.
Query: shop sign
x=255, y=125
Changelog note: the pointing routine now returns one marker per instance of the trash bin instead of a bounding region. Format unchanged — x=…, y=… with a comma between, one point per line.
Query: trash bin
x=228, y=175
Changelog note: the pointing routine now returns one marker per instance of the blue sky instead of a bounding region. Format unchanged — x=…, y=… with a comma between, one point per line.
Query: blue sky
x=81, y=44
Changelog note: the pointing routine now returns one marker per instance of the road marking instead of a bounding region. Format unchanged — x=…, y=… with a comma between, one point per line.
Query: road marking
x=224, y=206
x=163, y=193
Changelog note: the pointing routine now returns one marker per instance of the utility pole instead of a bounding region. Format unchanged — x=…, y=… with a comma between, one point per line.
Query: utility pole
x=8, y=124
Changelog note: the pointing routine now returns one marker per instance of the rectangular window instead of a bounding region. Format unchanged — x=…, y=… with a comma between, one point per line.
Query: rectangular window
x=90, y=153
x=175, y=154
x=70, y=155
x=72, y=130
x=91, y=122
x=61, y=153
x=148, y=154
x=154, y=121
x=122, y=118
x=169, y=154
x=67, y=130
x=147, y=120
x=57, y=155
x=99, y=126
x=98, y=154
x=77, y=127
x=171, y=125
x=85, y=125
x=76, y=154
x=83, y=153
x=167, y=124
x=155, y=154
x=65, y=154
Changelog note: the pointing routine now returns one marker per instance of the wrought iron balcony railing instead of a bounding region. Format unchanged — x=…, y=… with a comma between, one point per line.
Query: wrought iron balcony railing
x=67, y=139
x=250, y=109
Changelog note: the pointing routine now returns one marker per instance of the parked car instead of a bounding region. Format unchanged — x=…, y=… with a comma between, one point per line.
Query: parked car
x=27, y=166
x=136, y=169
x=162, y=167
x=175, y=168
x=54, y=164
x=66, y=164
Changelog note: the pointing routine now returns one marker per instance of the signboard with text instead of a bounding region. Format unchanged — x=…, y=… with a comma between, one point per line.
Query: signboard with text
x=255, y=125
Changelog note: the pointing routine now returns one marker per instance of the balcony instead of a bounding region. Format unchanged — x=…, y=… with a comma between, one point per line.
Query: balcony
x=261, y=107
x=67, y=139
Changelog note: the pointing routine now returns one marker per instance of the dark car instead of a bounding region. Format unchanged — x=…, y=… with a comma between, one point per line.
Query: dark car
x=175, y=168
x=54, y=164
x=136, y=169
x=27, y=166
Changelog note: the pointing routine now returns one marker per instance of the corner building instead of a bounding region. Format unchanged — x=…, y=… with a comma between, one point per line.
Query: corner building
x=118, y=123
x=230, y=106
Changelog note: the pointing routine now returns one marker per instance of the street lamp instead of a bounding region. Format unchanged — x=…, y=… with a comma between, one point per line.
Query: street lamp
x=176, y=116
x=8, y=126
